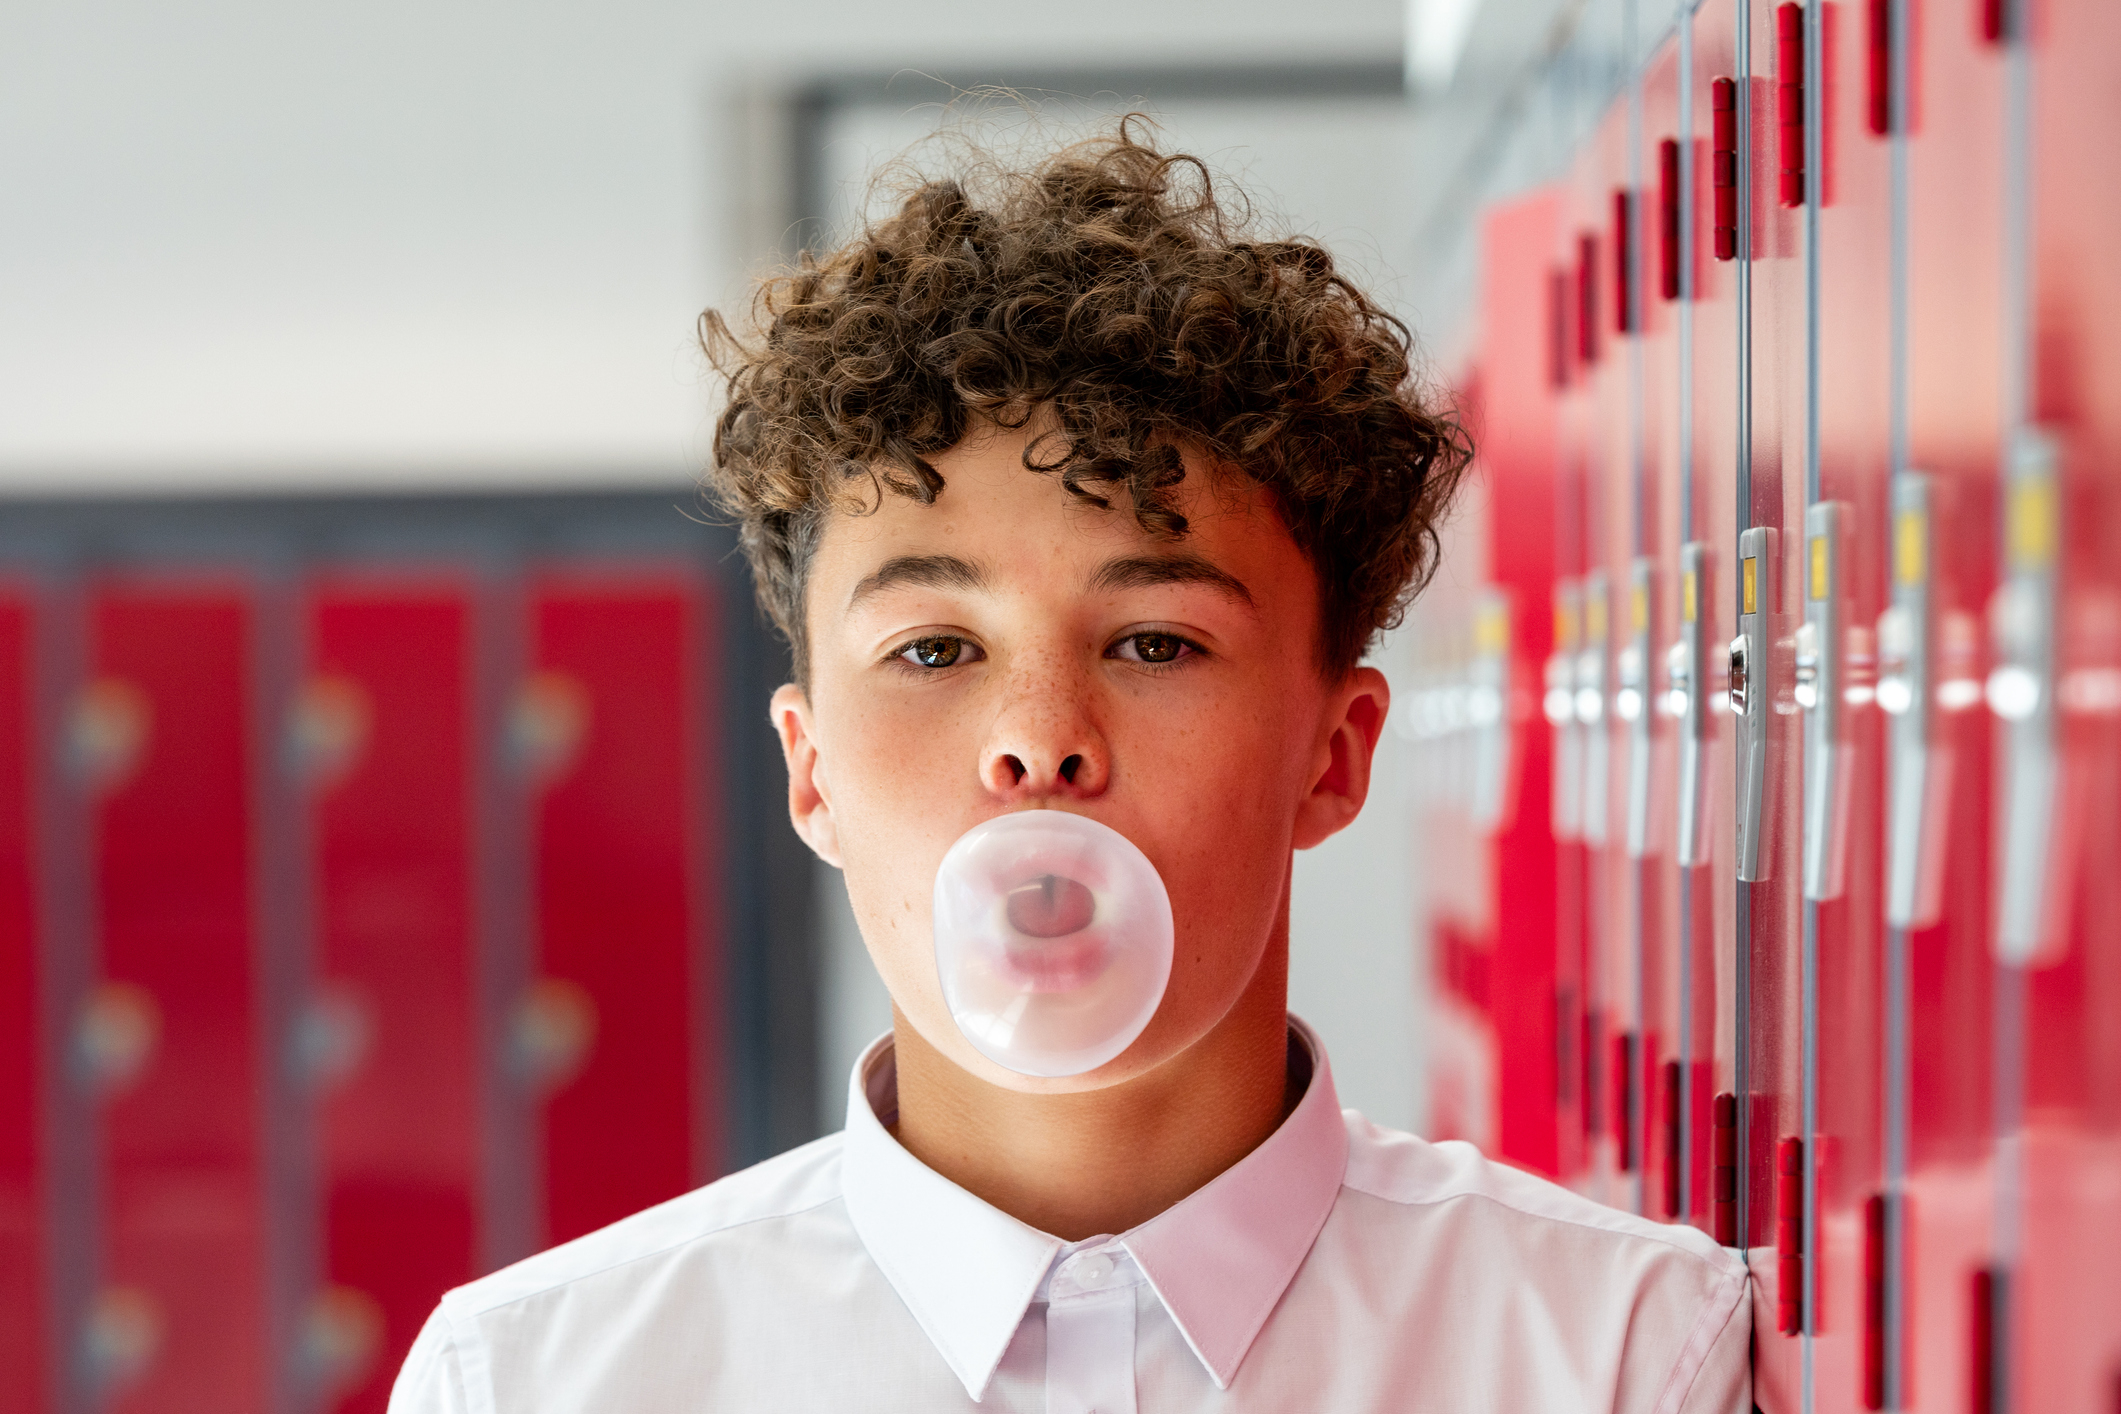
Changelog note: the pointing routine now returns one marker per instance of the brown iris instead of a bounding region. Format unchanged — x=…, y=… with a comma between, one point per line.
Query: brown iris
x=1050, y=907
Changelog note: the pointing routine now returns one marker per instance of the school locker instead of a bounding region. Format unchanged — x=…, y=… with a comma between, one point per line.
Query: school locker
x=360, y=931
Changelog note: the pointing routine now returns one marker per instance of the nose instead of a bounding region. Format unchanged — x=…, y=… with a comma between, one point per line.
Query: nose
x=1044, y=742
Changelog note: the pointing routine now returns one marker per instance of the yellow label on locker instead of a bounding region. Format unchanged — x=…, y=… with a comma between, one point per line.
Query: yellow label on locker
x=1910, y=548
x=1639, y=609
x=2032, y=523
x=1819, y=567
x=1689, y=596
x=1564, y=623
x=1594, y=617
x=1491, y=628
x=1749, y=586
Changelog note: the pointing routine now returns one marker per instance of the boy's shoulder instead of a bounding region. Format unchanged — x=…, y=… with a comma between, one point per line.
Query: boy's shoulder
x=1453, y=1178
x=781, y=1187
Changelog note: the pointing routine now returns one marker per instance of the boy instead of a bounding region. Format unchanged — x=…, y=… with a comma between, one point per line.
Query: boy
x=1070, y=495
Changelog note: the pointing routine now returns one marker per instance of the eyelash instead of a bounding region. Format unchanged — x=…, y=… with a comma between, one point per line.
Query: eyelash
x=1189, y=650
x=899, y=657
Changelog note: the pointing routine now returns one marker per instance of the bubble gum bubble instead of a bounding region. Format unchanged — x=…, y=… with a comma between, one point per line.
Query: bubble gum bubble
x=1052, y=940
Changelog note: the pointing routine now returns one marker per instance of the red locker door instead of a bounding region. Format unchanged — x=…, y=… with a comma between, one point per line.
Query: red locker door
x=24, y=1368
x=383, y=727
x=1945, y=551
x=1674, y=1040
x=617, y=731
x=182, y=1321
x=1769, y=789
x=1842, y=561
x=1516, y=440
x=1707, y=595
x=2061, y=1327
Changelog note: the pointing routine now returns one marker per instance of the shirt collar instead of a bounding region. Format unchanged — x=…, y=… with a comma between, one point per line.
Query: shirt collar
x=1219, y=1259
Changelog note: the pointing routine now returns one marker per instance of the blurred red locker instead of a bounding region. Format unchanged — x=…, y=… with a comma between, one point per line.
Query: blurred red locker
x=24, y=1357
x=2059, y=1336
x=385, y=744
x=164, y=732
x=623, y=896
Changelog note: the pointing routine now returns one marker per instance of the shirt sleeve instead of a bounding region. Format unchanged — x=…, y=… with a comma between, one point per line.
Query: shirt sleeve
x=431, y=1381
x=1724, y=1383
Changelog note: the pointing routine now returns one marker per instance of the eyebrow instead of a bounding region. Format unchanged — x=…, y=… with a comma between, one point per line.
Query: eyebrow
x=1147, y=571
x=932, y=571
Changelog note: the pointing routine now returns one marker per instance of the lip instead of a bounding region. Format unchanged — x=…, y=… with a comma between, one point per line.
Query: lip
x=1066, y=964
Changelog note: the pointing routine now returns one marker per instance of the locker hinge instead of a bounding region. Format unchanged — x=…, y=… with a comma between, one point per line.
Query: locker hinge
x=1989, y=1312
x=1668, y=175
x=1881, y=67
x=1875, y=1277
x=1789, y=100
x=1723, y=1209
x=1624, y=1125
x=1789, y=1236
x=1674, y=1109
x=1723, y=166
x=1625, y=319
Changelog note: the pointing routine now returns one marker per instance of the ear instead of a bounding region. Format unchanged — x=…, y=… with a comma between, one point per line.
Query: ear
x=809, y=798
x=1354, y=719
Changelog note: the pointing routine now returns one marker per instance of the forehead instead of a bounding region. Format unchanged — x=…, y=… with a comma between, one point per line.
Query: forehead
x=1029, y=526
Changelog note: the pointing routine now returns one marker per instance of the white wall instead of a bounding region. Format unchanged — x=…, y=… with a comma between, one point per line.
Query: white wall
x=307, y=244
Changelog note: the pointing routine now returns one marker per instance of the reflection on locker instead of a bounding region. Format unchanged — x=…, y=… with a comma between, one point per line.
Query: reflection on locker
x=1806, y=310
x=362, y=917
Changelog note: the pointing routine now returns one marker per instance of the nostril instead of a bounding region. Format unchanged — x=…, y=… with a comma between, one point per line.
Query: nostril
x=1016, y=769
x=1069, y=767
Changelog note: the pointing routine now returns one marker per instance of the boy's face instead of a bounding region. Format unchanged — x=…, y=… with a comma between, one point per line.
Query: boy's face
x=1010, y=648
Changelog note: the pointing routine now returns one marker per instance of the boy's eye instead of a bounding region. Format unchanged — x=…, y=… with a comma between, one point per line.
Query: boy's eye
x=939, y=651
x=1152, y=648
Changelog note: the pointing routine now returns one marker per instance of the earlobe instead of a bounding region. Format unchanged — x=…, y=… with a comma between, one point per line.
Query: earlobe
x=1350, y=744
x=809, y=805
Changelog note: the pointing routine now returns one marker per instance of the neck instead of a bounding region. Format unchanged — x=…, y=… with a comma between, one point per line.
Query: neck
x=1103, y=1161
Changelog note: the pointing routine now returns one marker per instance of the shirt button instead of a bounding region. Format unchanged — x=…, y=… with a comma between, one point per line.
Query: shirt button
x=1093, y=1269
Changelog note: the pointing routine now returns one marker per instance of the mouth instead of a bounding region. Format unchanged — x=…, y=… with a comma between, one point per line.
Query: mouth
x=1049, y=948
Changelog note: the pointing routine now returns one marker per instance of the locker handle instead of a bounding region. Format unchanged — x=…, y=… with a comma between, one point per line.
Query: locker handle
x=1587, y=298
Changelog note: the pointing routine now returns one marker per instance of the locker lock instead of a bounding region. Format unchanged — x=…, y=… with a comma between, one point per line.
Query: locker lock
x=1897, y=646
x=1678, y=679
x=1741, y=674
x=1806, y=690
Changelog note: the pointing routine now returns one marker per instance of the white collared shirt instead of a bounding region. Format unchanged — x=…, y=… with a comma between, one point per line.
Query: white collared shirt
x=1338, y=1266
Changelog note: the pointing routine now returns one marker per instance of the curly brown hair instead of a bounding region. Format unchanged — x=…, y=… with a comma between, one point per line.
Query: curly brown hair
x=1113, y=291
